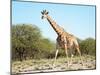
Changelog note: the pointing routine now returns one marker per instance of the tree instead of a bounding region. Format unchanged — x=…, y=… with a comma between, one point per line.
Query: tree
x=88, y=46
x=28, y=43
x=23, y=39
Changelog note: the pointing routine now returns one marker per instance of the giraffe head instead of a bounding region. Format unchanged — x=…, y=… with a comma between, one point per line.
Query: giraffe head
x=44, y=14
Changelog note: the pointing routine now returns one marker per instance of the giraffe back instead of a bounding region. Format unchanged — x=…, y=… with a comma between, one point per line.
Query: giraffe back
x=70, y=40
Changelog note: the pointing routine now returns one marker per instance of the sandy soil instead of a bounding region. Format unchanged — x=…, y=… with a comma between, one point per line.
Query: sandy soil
x=45, y=65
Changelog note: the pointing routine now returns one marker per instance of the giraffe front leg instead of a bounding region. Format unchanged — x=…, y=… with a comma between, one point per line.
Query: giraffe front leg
x=66, y=54
x=55, y=57
x=56, y=54
x=66, y=51
x=71, y=59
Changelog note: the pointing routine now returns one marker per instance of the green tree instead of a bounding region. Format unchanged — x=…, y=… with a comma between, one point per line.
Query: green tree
x=27, y=43
x=23, y=39
x=88, y=46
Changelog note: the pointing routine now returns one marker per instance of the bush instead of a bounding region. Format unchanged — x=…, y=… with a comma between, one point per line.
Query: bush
x=88, y=46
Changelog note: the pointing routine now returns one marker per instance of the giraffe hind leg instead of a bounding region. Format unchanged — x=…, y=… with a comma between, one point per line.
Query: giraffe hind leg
x=78, y=50
x=76, y=45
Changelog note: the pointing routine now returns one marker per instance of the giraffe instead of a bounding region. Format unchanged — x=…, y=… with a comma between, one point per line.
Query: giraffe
x=64, y=40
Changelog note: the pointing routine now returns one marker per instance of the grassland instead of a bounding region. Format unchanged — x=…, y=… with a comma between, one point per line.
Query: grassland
x=61, y=64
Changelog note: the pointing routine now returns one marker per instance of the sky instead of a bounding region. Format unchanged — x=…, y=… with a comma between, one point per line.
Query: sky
x=78, y=20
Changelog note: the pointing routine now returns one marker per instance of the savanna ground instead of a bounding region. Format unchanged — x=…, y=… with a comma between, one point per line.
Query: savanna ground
x=61, y=64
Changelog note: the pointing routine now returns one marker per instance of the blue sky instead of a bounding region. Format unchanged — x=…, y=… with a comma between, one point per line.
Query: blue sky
x=78, y=20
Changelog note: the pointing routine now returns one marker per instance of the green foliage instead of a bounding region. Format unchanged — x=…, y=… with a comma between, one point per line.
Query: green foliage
x=88, y=46
x=27, y=42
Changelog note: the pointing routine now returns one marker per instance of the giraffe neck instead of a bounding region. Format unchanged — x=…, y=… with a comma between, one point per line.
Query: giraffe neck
x=56, y=27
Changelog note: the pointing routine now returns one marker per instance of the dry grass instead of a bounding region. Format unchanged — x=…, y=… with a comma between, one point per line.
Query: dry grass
x=45, y=65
